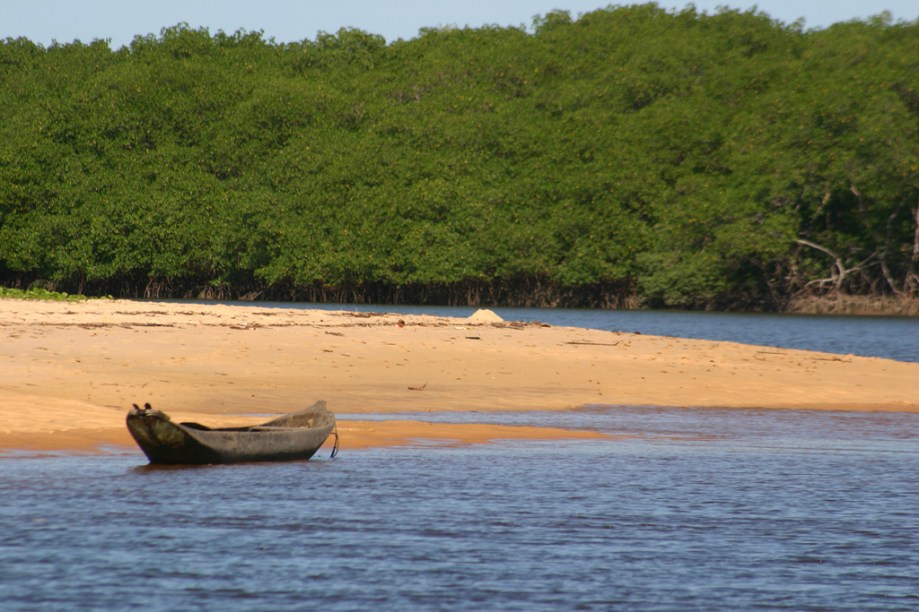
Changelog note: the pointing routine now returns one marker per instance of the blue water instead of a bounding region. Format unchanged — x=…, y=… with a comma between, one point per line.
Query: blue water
x=689, y=510
x=889, y=337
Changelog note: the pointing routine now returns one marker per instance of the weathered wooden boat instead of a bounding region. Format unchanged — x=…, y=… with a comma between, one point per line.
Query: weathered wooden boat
x=291, y=437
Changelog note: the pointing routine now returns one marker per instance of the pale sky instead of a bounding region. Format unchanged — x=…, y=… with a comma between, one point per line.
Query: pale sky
x=118, y=21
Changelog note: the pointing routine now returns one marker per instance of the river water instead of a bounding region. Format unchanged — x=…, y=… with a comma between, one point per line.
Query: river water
x=687, y=509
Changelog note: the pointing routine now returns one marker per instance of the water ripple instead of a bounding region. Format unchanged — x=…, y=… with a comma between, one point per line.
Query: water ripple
x=779, y=510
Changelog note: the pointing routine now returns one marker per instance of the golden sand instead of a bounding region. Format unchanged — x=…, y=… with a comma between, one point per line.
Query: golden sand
x=70, y=371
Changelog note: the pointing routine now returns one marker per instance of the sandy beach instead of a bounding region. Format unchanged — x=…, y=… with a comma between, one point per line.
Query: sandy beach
x=69, y=371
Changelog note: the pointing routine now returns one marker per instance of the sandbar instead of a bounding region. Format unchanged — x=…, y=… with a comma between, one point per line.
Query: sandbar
x=69, y=371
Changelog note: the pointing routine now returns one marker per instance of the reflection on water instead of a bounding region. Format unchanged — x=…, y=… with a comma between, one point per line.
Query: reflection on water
x=787, y=509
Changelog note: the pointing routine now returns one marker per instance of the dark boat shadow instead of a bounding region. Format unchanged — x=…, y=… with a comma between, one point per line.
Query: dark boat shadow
x=170, y=467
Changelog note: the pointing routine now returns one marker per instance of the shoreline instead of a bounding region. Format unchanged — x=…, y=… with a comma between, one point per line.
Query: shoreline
x=854, y=305
x=355, y=435
x=69, y=371
x=842, y=305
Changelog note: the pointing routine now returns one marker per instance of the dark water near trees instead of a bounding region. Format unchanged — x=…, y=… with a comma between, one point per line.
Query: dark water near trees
x=695, y=509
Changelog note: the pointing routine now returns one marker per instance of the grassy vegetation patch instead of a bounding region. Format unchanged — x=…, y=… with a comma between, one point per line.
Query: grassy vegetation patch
x=39, y=294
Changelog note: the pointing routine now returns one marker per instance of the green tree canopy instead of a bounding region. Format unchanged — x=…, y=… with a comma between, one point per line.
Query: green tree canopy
x=677, y=158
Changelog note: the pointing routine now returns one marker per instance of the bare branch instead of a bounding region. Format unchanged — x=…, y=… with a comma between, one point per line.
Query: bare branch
x=911, y=282
x=814, y=245
x=837, y=277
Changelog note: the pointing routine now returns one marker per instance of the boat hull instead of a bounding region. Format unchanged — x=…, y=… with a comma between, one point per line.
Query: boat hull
x=289, y=438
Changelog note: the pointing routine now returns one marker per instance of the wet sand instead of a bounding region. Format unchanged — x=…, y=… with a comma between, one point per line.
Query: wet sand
x=70, y=371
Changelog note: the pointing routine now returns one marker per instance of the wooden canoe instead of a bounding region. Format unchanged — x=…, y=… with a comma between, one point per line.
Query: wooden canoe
x=291, y=437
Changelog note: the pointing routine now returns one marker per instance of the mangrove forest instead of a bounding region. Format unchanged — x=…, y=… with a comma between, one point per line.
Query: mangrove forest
x=627, y=156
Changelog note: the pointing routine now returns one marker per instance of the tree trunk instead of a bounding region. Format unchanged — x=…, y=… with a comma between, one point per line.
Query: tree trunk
x=911, y=281
x=836, y=277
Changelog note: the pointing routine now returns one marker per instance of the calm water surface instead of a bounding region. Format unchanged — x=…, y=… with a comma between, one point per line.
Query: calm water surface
x=691, y=510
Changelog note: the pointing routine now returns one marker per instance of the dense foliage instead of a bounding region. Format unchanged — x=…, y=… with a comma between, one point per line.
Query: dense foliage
x=630, y=155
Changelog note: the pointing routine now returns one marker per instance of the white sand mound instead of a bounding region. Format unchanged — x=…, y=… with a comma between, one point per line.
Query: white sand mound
x=483, y=315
